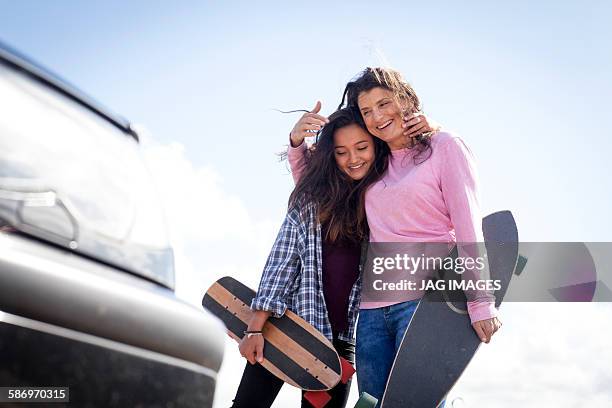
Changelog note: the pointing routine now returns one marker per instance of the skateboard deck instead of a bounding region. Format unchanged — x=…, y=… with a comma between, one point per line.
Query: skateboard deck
x=440, y=341
x=294, y=350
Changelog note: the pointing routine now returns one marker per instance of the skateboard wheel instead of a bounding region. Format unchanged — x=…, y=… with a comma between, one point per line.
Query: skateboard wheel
x=366, y=401
x=520, y=264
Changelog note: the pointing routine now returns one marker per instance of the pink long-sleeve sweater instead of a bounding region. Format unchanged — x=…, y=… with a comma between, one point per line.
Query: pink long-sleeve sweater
x=434, y=201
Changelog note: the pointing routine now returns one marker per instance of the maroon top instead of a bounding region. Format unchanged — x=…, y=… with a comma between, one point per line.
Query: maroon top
x=340, y=271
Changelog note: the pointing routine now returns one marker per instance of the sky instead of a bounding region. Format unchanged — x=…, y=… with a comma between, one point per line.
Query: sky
x=525, y=84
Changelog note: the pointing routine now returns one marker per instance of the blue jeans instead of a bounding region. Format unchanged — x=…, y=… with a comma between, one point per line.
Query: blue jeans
x=379, y=335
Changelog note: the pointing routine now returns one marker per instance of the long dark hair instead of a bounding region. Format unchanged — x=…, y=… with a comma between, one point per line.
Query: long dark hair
x=340, y=200
x=403, y=93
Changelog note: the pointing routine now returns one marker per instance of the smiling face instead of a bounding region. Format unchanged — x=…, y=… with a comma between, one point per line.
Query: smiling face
x=383, y=116
x=354, y=151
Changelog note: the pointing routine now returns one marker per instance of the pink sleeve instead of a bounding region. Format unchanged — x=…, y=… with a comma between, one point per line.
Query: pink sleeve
x=481, y=310
x=459, y=182
x=297, y=160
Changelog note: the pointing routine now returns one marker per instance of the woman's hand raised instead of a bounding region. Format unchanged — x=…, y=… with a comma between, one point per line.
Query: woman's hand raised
x=308, y=124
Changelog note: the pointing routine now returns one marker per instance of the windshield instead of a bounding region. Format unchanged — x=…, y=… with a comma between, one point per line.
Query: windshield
x=69, y=176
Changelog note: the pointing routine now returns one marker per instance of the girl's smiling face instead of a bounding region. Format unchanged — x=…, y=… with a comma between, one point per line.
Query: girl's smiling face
x=354, y=151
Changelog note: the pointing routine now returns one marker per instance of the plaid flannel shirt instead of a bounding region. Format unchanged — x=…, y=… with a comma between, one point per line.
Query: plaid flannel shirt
x=293, y=278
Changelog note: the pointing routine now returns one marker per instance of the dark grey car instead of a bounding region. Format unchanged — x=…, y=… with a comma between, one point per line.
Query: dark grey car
x=86, y=272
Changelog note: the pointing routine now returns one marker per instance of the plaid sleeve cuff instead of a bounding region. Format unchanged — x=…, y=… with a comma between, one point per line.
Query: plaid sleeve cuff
x=275, y=306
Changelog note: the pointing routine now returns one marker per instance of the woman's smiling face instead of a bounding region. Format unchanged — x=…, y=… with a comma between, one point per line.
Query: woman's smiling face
x=383, y=116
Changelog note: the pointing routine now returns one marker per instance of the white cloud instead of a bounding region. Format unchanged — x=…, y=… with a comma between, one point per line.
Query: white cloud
x=197, y=207
x=546, y=354
x=211, y=231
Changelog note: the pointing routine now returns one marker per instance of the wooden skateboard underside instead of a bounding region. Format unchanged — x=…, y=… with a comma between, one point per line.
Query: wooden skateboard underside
x=294, y=351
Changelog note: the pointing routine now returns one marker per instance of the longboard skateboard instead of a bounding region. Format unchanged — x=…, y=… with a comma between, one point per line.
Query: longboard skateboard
x=440, y=341
x=294, y=350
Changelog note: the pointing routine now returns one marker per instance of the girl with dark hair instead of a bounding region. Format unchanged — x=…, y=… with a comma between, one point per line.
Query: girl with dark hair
x=429, y=193
x=314, y=266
